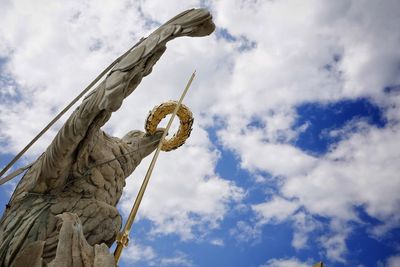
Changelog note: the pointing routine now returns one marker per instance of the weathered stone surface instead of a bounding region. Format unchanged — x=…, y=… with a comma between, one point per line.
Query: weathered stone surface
x=31, y=255
x=70, y=177
x=74, y=251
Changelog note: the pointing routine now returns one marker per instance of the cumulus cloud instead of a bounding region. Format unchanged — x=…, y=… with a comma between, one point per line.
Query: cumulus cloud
x=278, y=210
x=246, y=232
x=181, y=259
x=393, y=261
x=218, y=242
x=135, y=253
x=363, y=167
x=303, y=225
x=292, y=262
x=184, y=193
x=357, y=172
x=331, y=53
x=56, y=50
x=265, y=155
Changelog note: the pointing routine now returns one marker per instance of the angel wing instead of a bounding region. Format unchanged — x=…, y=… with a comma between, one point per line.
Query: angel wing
x=50, y=172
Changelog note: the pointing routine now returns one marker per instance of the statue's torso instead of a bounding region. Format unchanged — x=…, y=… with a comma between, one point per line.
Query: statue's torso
x=92, y=192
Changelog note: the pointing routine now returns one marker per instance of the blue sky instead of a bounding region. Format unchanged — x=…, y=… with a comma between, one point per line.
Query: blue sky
x=294, y=153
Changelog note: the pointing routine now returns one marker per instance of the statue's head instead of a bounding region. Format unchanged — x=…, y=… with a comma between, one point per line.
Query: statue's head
x=143, y=143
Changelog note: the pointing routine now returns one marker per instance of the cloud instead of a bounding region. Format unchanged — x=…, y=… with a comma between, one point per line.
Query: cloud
x=335, y=247
x=334, y=241
x=393, y=261
x=218, y=242
x=180, y=259
x=318, y=31
x=291, y=262
x=332, y=53
x=263, y=155
x=246, y=232
x=156, y=10
x=303, y=225
x=48, y=52
x=279, y=210
x=276, y=210
x=185, y=194
x=359, y=171
x=135, y=253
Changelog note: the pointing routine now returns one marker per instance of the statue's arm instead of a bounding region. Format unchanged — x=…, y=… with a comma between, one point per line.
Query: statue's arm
x=92, y=113
x=108, y=96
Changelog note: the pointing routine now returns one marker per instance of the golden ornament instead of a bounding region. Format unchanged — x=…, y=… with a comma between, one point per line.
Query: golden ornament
x=185, y=127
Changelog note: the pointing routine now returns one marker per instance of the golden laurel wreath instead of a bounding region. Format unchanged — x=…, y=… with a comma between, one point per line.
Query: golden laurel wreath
x=185, y=127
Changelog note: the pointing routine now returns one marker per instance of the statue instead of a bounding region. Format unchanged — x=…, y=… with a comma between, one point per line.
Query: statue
x=70, y=184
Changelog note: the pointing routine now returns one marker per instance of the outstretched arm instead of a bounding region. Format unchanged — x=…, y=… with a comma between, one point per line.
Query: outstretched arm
x=97, y=107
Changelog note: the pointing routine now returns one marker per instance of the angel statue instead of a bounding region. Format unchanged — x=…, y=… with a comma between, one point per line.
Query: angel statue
x=63, y=211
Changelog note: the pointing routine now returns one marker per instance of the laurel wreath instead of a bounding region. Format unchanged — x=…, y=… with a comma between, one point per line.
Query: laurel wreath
x=185, y=127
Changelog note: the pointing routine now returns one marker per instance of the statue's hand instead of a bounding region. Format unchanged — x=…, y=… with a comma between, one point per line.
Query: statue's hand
x=193, y=22
x=144, y=143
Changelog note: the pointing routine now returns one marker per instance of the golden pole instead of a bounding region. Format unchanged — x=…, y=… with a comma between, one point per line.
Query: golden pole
x=123, y=237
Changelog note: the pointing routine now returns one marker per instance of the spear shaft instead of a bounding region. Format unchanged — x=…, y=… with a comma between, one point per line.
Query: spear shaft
x=123, y=237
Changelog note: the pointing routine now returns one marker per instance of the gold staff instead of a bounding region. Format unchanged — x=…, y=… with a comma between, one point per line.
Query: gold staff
x=123, y=237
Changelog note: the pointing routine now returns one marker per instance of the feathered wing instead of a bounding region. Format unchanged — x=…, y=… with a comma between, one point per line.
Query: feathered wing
x=50, y=171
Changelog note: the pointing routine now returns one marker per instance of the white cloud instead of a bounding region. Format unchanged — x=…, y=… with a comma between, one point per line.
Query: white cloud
x=334, y=241
x=180, y=259
x=157, y=10
x=393, y=261
x=291, y=262
x=303, y=225
x=218, y=242
x=135, y=253
x=276, y=158
x=335, y=247
x=314, y=52
x=279, y=210
x=184, y=192
x=359, y=171
x=245, y=232
x=276, y=210
x=49, y=57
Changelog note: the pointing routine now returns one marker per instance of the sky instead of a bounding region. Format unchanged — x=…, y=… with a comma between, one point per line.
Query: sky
x=294, y=155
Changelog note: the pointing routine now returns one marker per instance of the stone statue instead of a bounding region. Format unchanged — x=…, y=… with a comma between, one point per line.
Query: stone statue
x=69, y=185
